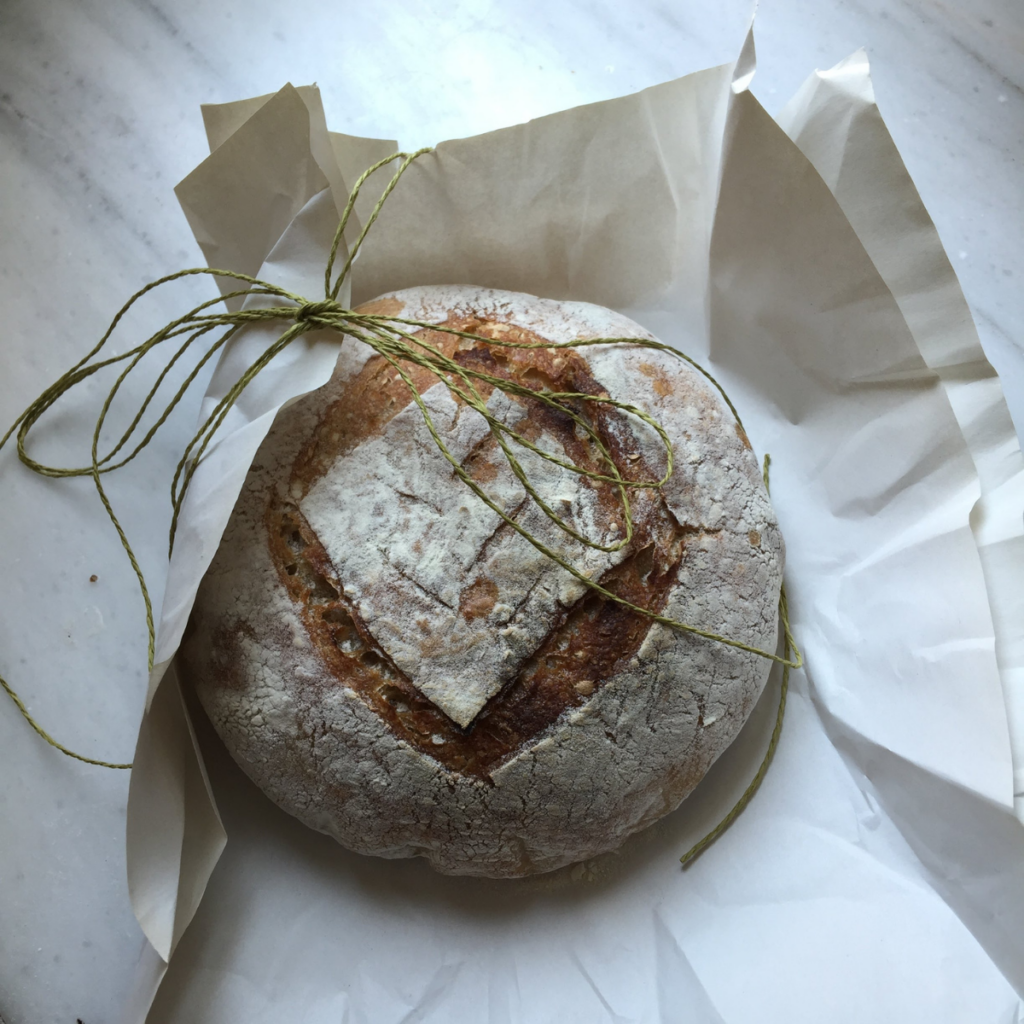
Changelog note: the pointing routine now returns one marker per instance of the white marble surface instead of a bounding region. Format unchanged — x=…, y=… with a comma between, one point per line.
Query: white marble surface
x=99, y=118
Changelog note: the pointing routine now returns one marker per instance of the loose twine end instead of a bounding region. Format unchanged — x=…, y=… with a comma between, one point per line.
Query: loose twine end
x=399, y=342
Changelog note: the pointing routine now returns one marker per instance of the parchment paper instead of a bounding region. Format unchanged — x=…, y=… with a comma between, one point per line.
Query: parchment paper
x=834, y=121
x=876, y=875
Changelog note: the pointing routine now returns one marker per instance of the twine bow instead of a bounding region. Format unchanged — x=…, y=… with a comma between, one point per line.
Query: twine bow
x=397, y=341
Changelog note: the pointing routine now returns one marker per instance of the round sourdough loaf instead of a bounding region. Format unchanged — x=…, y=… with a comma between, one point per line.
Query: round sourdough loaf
x=395, y=666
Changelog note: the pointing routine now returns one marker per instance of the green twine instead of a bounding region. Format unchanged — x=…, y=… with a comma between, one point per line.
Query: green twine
x=788, y=647
x=391, y=338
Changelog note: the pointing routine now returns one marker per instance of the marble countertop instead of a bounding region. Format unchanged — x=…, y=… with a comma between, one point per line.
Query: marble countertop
x=99, y=118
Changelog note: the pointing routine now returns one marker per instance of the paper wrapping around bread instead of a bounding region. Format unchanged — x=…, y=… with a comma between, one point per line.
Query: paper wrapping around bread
x=396, y=666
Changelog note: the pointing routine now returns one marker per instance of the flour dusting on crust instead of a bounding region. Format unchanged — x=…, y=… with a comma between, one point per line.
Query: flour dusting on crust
x=409, y=540
x=458, y=602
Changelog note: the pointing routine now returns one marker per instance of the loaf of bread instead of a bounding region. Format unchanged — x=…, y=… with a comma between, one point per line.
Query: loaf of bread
x=396, y=666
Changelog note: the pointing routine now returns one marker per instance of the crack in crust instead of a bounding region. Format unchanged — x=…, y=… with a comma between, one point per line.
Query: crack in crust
x=589, y=642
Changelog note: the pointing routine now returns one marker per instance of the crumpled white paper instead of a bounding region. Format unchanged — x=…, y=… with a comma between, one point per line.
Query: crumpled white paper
x=878, y=873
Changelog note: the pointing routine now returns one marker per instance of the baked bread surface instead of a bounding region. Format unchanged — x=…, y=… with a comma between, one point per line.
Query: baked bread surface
x=394, y=665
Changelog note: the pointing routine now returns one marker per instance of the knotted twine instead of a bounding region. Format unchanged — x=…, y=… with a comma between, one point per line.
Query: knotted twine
x=391, y=338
